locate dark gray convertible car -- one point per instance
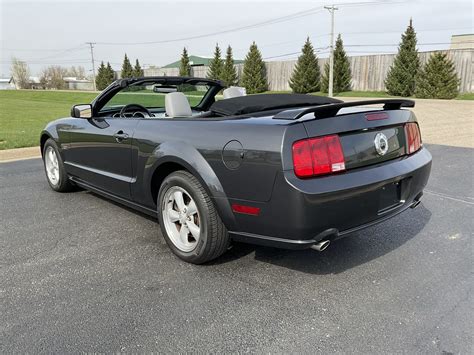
(283, 170)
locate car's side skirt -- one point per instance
(128, 203)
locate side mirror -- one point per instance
(81, 111)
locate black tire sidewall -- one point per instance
(63, 184)
(177, 179)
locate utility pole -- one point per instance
(331, 9)
(91, 44)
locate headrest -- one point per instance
(234, 91)
(177, 105)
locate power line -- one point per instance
(317, 50)
(61, 52)
(69, 61)
(256, 25)
(296, 15)
(313, 36)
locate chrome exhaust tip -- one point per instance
(415, 204)
(321, 246)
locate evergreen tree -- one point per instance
(137, 71)
(254, 74)
(306, 75)
(127, 69)
(185, 66)
(400, 80)
(216, 65)
(438, 78)
(100, 79)
(110, 74)
(229, 74)
(342, 70)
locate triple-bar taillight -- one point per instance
(413, 137)
(324, 155)
(318, 156)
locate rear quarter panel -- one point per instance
(200, 144)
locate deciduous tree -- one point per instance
(20, 73)
(52, 77)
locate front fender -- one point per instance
(56, 130)
(189, 157)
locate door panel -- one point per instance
(100, 153)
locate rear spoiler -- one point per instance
(331, 110)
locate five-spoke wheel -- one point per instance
(181, 218)
(188, 219)
(54, 167)
(51, 165)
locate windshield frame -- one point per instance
(117, 86)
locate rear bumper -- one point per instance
(329, 234)
(304, 212)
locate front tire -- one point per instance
(189, 221)
(54, 168)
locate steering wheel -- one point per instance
(136, 108)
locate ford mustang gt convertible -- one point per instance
(215, 165)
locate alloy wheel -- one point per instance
(52, 165)
(181, 219)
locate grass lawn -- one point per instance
(466, 96)
(24, 113)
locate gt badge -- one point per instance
(381, 144)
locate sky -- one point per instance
(43, 33)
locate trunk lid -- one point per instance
(364, 141)
(360, 148)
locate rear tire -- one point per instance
(189, 221)
(54, 168)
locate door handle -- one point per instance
(120, 136)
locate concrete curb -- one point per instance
(10, 155)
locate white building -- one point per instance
(7, 84)
(464, 41)
(72, 83)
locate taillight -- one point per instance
(413, 137)
(318, 156)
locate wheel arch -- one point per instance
(169, 158)
(43, 138)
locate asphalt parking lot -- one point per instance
(81, 274)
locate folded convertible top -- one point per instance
(263, 102)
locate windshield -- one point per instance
(151, 95)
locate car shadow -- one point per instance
(121, 205)
(342, 254)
